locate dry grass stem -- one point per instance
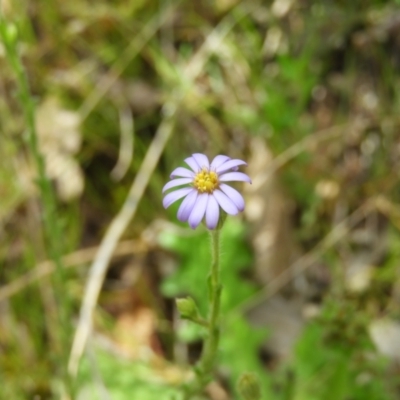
(293, 151)
(127, 125)
(74, 259)
(134, 48)
(338, 232)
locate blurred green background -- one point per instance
(308, 93)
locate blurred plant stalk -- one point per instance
(51, 226)
(188, 310)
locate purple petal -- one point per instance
(180, 171)
(219, 160)
(199, 210)
(176, 182)
(201, 160)
(234, 176)
(226, 204)
(234, 195)
(229, 165)
(176, 195)
(212, 213)
(192, 164)
(187, 206)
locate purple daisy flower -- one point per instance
(207, 190)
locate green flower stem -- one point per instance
(52, 230)
(8, 35)
(207, 360)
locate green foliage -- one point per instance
(194, 252)
(335, 370)
(288, 93)
(240, 344)
(191, 278)
(122, 379)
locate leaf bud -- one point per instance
(249, 386)
(187, 308)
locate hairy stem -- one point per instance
(205, 366)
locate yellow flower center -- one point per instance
(206, 181)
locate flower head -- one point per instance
(205, 189)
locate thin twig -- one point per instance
(340, 231)
(294, 150)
